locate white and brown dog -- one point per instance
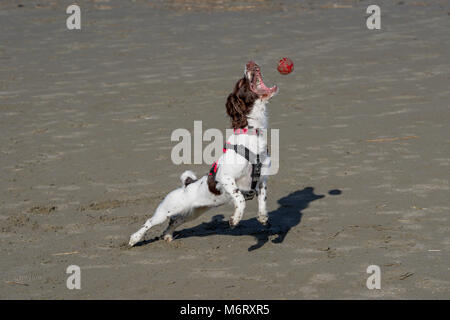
(237, 175)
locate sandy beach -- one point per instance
(86, 118)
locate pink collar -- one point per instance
(246, 131)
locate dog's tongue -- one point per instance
(261, 87)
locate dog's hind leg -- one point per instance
(175, 203)
(159, 217)
(175, 221)
(178, 220)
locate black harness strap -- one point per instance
(251, 157)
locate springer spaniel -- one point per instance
(234, 177)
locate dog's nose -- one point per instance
(250, 65)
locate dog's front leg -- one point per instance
(262, 199)
(230, 187)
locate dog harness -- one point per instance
(254, 159)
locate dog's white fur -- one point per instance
(189, 202)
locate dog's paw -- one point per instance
(264, 220)
(233, 223)
(168, 238)
(135, 238)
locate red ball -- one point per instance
(285, 66)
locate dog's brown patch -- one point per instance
(240, 103)
(212, 184)
(188, 181)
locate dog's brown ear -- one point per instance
(240, 103)
(236, 109)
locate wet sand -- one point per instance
(86, 118)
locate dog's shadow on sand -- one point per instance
(281, 221)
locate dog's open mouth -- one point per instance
(253, 73)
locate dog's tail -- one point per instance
(187, 178)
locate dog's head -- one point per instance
(246, 92)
